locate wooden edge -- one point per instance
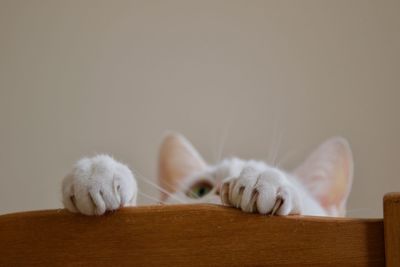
(154, 209)
(182, 235)
(391, 211)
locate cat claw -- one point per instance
(97, 185)
(277, 206)
(268, 192)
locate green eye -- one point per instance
(199, 190)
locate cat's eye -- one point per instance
(200, 189)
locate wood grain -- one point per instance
(187, 235)
(391, 212)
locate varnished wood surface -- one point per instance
(187, 235)
(392, 229)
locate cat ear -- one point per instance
(177, 160)
(328, 175)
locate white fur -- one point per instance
(252, 186)
(97, 185)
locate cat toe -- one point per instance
(266, 192)
(224, 194)
(237, 191)
(97, 185)
(84, 203)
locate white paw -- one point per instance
(266, 192)
(97, 185)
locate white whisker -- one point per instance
(271, 143)
(144, 179)
(157, 201)
(275, 144)
(223, 138)
(287, 156)
(277, 147)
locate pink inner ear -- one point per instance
(178, 159)
(328, 174)
(339, 188)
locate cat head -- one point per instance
(186, 178)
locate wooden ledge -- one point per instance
(391, 211)
(392, 197)
(187, 235)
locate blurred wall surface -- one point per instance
(257, 79)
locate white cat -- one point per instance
(320, 186)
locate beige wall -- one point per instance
(80, 77)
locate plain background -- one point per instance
(262, 79)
